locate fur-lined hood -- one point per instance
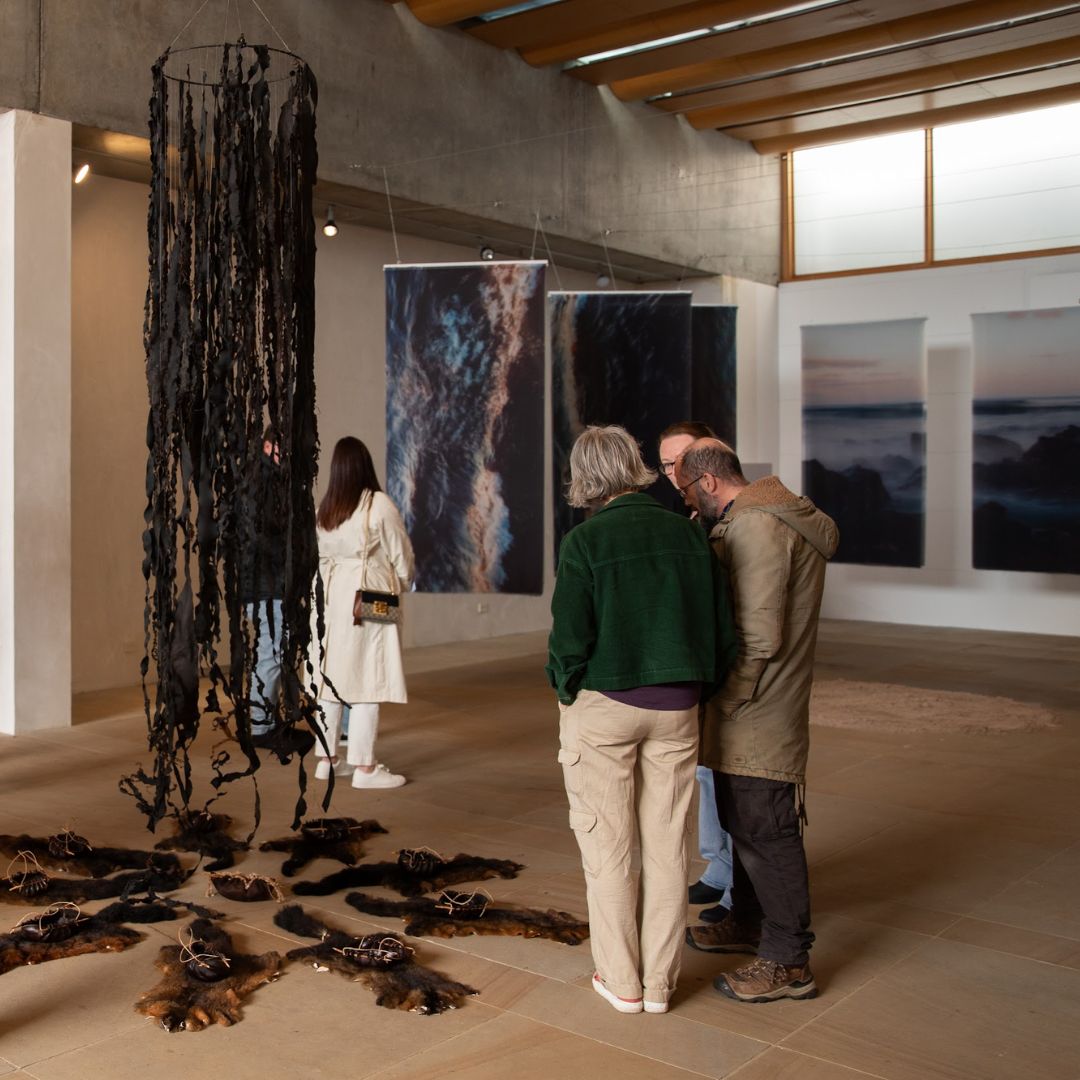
(795, 511)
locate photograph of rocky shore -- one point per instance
(1026, 450)
(864, 436)
(712, 368)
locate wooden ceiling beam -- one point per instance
(571, 18)
(561, 46)
(956, 114)
(708, 60)
(922, 80)
(913, 106)
(446, 12)
(826, 76)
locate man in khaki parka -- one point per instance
(755, 736)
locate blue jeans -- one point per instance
(715, 844)
(266, 678)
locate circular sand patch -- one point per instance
(865, 706)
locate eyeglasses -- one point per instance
(667, 467)
(686, 487)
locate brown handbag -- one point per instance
(368, 604)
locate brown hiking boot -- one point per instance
(726, 936)
(766, 980)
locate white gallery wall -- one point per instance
(109, 405)
(946, 591)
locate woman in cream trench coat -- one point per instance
(360, 665)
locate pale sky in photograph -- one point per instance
(1027, 353)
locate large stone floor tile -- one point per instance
(513, 1046)
(675, 1039)
(1065, 952)
(1046, 900)
(779, 1063)
(955, 1012)
(847, 955)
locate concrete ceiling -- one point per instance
(787, 75)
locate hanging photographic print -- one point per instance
(864, 436)
(465, 422)
(1027, 441)
(616, 358)
(712, 369)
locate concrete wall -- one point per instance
(109, 415)
(35, 419)
(946, 591)
(458, 123)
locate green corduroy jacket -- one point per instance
(639, 599)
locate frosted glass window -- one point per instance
(1011, 183)
(859, 204)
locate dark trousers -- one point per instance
(770, 886)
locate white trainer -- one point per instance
(623, 1005)
(382, 777)
(341, 768)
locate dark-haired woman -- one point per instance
(362, 543)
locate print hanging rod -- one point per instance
(171, 57)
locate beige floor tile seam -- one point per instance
(611, 1045)
(813, 1057)
(1006, 952)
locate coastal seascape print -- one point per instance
(712, 369)
(465, 422)
(864, 436)
(616, 358)
(1026, 451)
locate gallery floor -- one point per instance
(945, 872)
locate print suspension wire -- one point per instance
(229, 338)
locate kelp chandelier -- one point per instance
(229, 336)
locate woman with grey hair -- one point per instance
(640, 624)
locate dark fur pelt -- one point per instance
(424, 919)
(93, 862)
(246, 888)
(93, 934)
(152, 908)
(409, 882)
(14, 891)
(405, 985)
(205, 833)
(182, 1002)
(340, 839)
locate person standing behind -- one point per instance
(638, 625)
(756, 734)
(262, 586)
(714, 885)
(362, 544)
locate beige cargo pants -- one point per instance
(629, 776)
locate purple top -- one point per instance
(663, 697)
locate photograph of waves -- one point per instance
(864, 436)
(465, 422)
(1027, 441)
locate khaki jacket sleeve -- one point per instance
(756, 553)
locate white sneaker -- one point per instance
(622, 1004)
(656, 1006)
(341, 768)
(382, 777)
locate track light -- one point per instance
(330, 228)
(82, 172)
(602, 280)
(487, 253)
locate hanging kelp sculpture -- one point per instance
(229, 336)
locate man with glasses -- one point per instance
(774, 545)
(714, 885)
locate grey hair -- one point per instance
(715, 458)
(605, 462)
